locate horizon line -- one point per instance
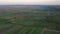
(17, 4)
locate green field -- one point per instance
(29, 20)
(25, 24)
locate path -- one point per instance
(45, 29)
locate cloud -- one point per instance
(41, 2)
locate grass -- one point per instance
(14, 30)
(51, 32)
(25, 29)
(26, 20)
(2, 26)
(37, 31)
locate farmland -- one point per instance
(29, 19)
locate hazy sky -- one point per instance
(30, 2)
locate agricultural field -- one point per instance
(51, 32)
(29, 20)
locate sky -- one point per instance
(29, 2)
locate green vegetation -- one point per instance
(51, 32)
(29, 20)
